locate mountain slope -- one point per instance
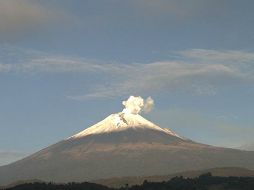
(120, 122)
(123, 144)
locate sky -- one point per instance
(65, 65)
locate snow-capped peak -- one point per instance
(119, 122)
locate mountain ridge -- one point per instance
(134, 147)
(121, 121)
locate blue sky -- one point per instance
(65, 65)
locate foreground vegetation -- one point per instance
(203, 182)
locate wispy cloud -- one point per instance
(197, 71)
(20, 18)
(5, 67)
(7, 157)
(230, 56)
(199, 79)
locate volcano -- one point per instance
(123, 144)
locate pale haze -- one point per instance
(184, 65)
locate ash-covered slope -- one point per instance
(123, 144)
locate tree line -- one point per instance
(203, 182)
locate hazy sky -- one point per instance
(65, 65)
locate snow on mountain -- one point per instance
(123, 144)
(119, 122)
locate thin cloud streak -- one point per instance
(7, 157)
(199, 72)
(200, 79)
(219, 56)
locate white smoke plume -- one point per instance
(136, 104)
(149, 103)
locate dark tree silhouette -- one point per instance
(203, 182)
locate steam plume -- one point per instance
(149, 103)
(136, 104)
